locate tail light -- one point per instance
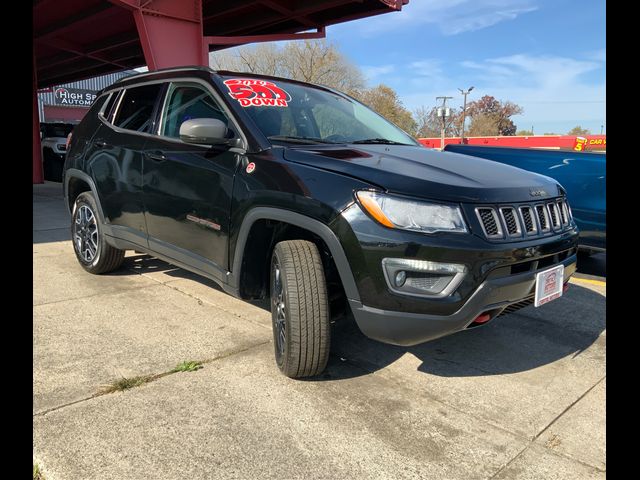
(66, 147)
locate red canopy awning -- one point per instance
(76, 39)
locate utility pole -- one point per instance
(443, 112)
(464, 111)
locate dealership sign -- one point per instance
(74, 97)
(583, 143)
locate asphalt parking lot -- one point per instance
(522, 398)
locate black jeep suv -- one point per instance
(296, 192)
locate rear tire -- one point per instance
(92, 251)
(299, 309)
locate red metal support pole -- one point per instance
(38, 176)
(170, 32)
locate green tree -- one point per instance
(492, 117)
(579, 131)
(524, 133)
(384, 100)
(484, 125)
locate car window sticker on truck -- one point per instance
(257, 93)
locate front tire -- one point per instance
(299, 309)
(92, 251)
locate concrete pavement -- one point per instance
(523, 397)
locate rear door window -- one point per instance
(108, 108)
(135, 111)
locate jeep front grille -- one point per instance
(510, 221)
(490, 222)
(520, 221)
(529, 222)
(543, 218)
(555, 215)
(564, 212)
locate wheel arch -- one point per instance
(77, 182)
(304, 223)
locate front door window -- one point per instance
(186, 102)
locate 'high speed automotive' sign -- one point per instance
(74, 97)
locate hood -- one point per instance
(430, 174)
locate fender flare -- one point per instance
(302, 221)
(75, 173)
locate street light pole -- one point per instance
(464, 111)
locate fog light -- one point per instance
(422, 277)
(401, 276)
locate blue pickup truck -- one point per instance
(582, 174)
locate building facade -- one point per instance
(68, 103)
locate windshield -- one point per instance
(287, 112)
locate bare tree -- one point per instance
(429, 124)
(313, 61)
(262, 59)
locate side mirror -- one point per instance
(207, 131)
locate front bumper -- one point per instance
(492, 296)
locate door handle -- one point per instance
(156, 156)
(101, 144)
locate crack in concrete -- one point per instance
(441, 402)
(530, 441)
(125, 289)
(153, 377)
(195, 297)
(217, 306)
(51, 229)
(553, 452)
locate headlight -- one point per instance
(397, 212)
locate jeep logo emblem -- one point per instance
(537, 193)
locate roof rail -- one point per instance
(163, 70)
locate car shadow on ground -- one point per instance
(531, 338)
(141, 263)
(514, 343)
(594, 265)
(51, 235)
